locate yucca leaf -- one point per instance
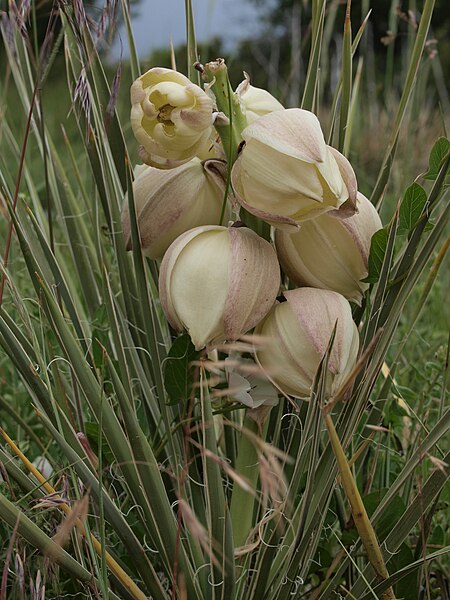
(219, 522)
(134, 59)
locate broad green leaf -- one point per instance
(407, 394)
(391, 515)
(179, 372)
(437, 537)
(377, 251)
(445, 496)
(411, 207)
(437, 155)
(407, 587)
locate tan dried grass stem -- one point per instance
(362, 522)
(112, 564)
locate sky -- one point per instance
(154, 21)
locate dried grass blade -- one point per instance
(113, 565)
(359, 513)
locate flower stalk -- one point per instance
(228, 104)
(242, 499)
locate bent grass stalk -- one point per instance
(112, 564)
(359, 513)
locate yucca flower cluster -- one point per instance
(218, 278)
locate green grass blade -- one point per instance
(191, 43)
(346, 78)
(113, 513)
(134, 59)
(419, 44)
(312, 77)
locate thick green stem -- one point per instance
(230, 131)
(227, 103)
(242, 500)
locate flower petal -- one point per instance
(347, 174)
(318, 311)
(254, 281)
(292, 131)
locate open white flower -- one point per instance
(170, 116)
(43, 465)
(253, 390)
(286, 174)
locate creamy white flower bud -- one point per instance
(286, 174)
(297, 333)
(170, 116)
(168, 203)
(331, 253)
(256, 102)
(218, 282)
